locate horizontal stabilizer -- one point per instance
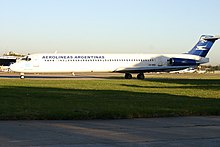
(212, 37)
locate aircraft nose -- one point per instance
(13, 67)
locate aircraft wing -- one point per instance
(150, 69)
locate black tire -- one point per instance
(140, 76)
(128, 76)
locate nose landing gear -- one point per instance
(21, 75)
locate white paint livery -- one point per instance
(124, 63)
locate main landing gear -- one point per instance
(140, 76)
(128, 76)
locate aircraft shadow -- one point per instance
(45, 103)
(186, 81)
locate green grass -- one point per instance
(156, 96)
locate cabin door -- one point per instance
(36, 63)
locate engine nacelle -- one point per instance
(182, 62)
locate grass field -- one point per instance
(156, 96)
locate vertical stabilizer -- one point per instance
(204, 45)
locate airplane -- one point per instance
(121, 63)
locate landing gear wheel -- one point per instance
(128, 76)
(140, 76)
(22, 76)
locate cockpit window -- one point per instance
(23, 58)
(26, 58)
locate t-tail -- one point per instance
(204, 45)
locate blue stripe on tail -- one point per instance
(203, 46)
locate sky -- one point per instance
(107, 26)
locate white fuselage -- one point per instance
(42, 63)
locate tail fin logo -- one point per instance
(202, 45)
(201, 48)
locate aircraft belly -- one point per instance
(150, 69)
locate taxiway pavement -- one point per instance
(173, 131)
